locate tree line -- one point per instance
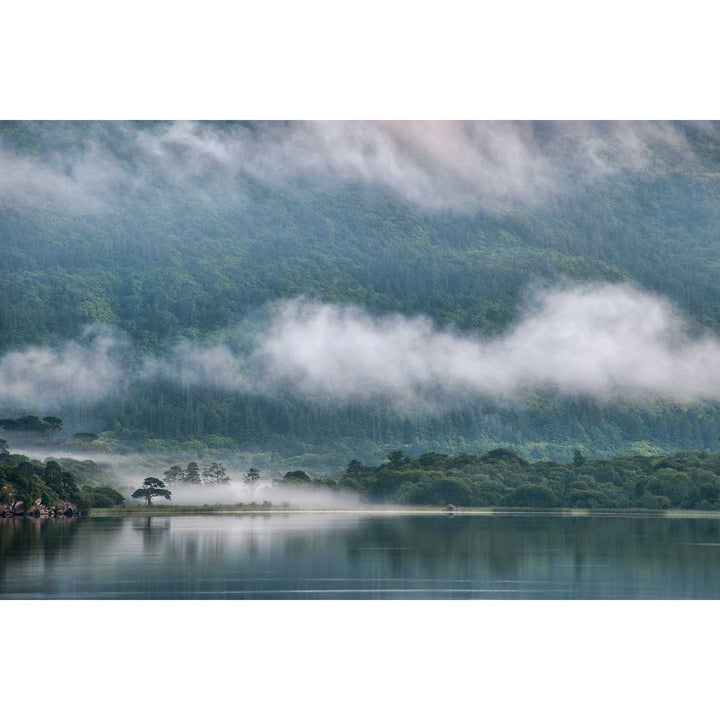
(214, 474)
(34, 428)
(501, 478)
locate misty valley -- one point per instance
(359, 359)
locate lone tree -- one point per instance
(216, 473)
(152, 487)
(251, 478)
(53, 424)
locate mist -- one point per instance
(608, 342)
(438, 166)
(128, 472)
(236, 492)
(74, 372)
(605, 341)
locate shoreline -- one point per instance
(135, 511)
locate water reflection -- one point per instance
(346, 556)
(154, 530)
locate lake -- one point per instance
(361, 556)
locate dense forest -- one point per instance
(501, 478)
(187, 268)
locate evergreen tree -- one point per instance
(174, 475)
(53, 424)
(252, 479)
(216, 473)
(152, 487)
(192, 474)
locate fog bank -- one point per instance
(237, 492)
(603, 341)
(75, 372)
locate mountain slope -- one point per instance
(165, 262)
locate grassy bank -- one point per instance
(176, 510)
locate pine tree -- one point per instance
(192, 474)
(216, 473)
(152, 487)
(251, 479)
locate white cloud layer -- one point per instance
(76, 372)
(604, 341)
(448, 165)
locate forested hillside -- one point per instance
(159, 270)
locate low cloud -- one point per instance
(608, 342)
(604, 341)
(208, 364)
(439, 165)
(76, 372)
(81, 182)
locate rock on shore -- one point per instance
(38, 510)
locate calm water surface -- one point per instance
(338, 556)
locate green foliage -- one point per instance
(192, 474)
(53, 424)
(201, 268)
(27, 480)
(29, 426)
(500, 478)
(216, 473)
(86, 472)
(252, 479)
(294, 477)
(531, 495)
(174, 475)
(152, 487)
(102, 496)
(85, 438)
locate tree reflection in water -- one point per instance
(154, 530)
(336, 555)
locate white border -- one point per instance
(283, 59)
(384, 659)
(180, 60)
